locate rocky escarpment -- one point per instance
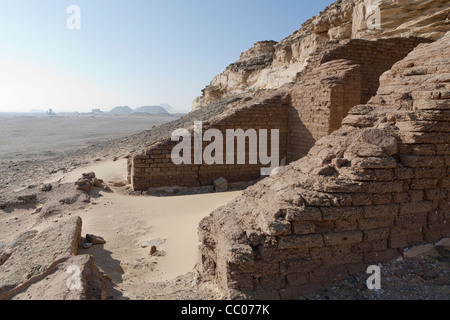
(269, 65)
(364, 193)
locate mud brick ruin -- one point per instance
(364, 131)
(341, 75)
(375, 186)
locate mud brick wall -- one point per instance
(374, 58)
(377, 185)
(340, 76)
(154, 167)
(320, 100)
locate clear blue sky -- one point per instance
(130, 52)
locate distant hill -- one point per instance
(168, 107)
(151, 110)
(122, 110)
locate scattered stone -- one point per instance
(84, 185)
(87, 245)
(106, 187)
(119, 184)
(97, 183)
(155, 242)
(27, 198)
(221, 184)
(47, 187)
(89, 181)
(89, 175)
(161, 253)
(429, 274)
(95, 240)
(417, 251)
(153, 250)
(4, 205)
(443, 243)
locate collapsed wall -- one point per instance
(375, 186)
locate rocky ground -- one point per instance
(422, 277)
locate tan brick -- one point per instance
(303, 227)
(375, 223)
(341, 238)
(384, 210)
(299, 266)
(341, 213)
(346, 225)
(309, 241)
(415, 207)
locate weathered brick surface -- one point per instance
(154, 167)
(346, 205)
(340, 76)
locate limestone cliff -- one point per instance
(269, 64)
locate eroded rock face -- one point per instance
(78, 278)
(44, 265)
(34, 254)
(269, 65)
(375, 186)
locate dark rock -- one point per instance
(95, 240)
(47, 187)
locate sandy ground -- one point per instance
(126, 221)
(110, 171)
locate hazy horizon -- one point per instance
(170, 109)
(133, 53)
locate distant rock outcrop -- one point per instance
(122, 110)
(158, 110)
(151, 110)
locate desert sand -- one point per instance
(125, 221)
